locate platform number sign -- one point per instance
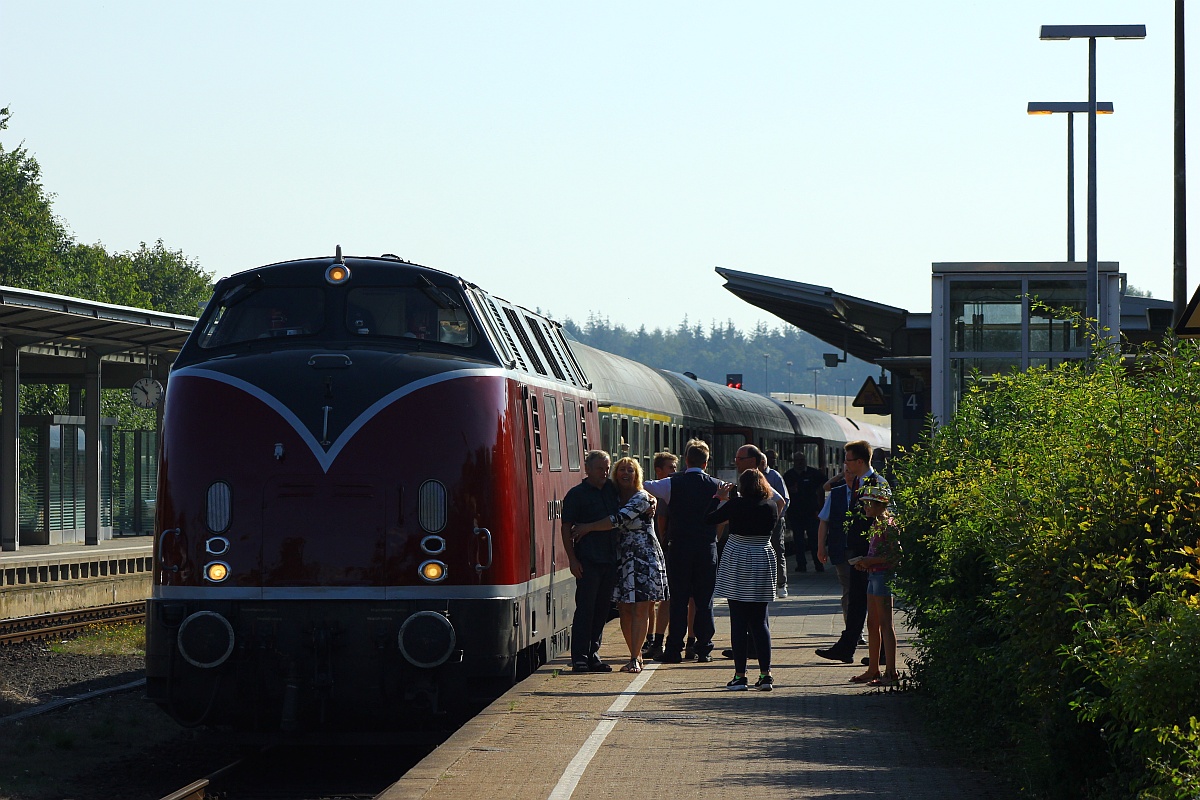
(914, 408)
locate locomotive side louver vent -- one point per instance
(432, 506)
(217, 507)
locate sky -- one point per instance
(601, 158)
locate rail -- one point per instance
(46, 626)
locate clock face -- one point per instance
(146, 393)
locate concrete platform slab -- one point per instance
(675, 731)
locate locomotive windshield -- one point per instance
(431, 313)
(253, 311)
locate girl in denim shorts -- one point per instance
(880, 560)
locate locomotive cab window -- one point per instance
(251, 311)
(429, 314)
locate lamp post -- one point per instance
(844, 382)
(789, 366)
(1091, 33)
(815, 371)
(766, 384)
(1070, 109)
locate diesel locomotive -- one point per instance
(361, 475)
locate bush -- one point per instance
(1049, 529)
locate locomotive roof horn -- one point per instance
(338, 259)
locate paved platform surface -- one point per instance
(675, 732)
(119, 547)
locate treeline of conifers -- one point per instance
(711, 352)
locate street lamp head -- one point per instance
(1059, 33)
(1067, 108)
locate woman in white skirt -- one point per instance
(746, 574)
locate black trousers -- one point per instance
(593, 600)
(804, 535)
(856, 613)
(691, 575)
(748, 621)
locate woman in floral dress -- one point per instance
(641, 568)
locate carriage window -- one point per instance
(437, 315)
(553, 443)
(572, 425)
(252, 311)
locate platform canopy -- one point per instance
(863, 328)
(54, 333)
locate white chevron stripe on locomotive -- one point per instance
(326, 457)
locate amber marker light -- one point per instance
(433, 571)
(216, 571)
(338, 273)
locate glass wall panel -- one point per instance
(985, 317)
(1051, 330)
(962, 373)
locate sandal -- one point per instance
(865, 678)
(633, 667)
(886, 680)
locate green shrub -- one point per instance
(1048, 529)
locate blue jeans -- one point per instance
(877, 584)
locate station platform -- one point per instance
(47, 579)
(675, 731)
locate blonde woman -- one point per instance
(641, 567)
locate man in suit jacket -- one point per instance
(842, 537)
(692, 557)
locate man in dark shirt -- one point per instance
(805, 485)
(593, 560)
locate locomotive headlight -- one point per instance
(433, 571)
(216, 572)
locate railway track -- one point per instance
(48, 626)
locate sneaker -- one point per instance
(703, 658)
(781, 593)
(738, 684)
(765, 683)
(689, 650)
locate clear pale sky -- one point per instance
(601, 157)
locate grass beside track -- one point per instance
(122, 639)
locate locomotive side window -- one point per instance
(553, 442)
(409, 313)
(249, 312)
(537, 431)
(572, 425)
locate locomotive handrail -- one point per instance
(162, 558)
(479, 566)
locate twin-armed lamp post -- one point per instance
(1070, 109)
(1092, 33)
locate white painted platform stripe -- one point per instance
(326, 458)
(570, 779)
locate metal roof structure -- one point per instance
(54, 333)
(863, 328)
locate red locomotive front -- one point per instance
(343, 524)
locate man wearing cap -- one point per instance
(841, 537)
